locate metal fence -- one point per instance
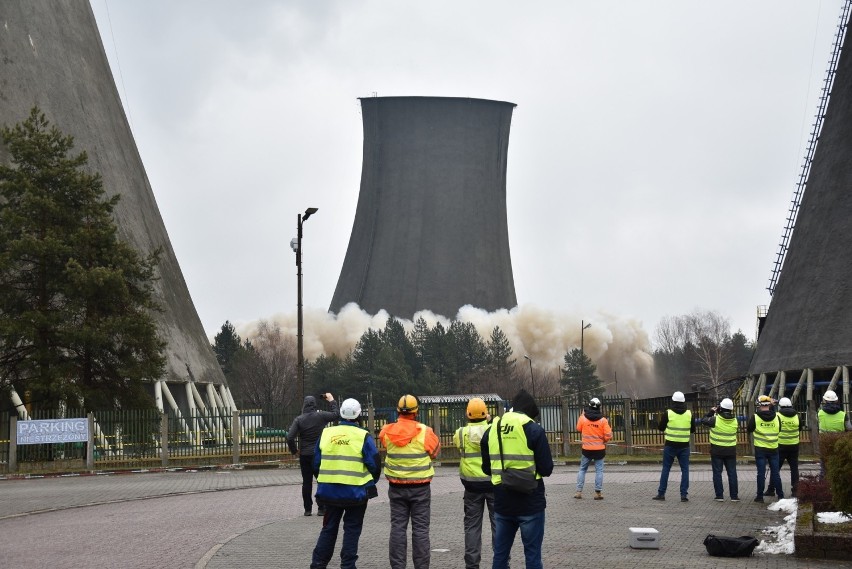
(145, 439)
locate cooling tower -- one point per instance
(51, 55)
(809, 322)
(430, 228)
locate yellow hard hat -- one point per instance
(407, 404)
(476, 409)
(764, 400)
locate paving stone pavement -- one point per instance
(253, 519)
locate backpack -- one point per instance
(721, 546)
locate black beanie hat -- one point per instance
(524, 403)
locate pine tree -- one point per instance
(226, 345)
(579, 378)
(75, 301)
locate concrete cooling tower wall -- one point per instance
(51, 56)
(430, 230)
(809, 322)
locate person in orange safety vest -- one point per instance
(596, 432)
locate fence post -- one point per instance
(164, 439)
(566, 433)
(90, 444)
(436, 422)
(628, 424)
(13, 444)
(236, 435)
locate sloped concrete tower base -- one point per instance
(430, 231)
(809, 322)
(51, 55)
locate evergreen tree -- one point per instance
(226, 345)
(75, 301)
(470, 351)
(579, 378)
(501, 361)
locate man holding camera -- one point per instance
(308, 427)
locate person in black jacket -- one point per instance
(516, 510)
(308, 427)
(678, 426)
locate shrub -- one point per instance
(814, 489)
(839, 472)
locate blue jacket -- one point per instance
(345, 494)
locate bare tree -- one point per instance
(267, 370)
(696, 346)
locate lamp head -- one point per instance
(309, 212)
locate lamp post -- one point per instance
(296, 245)
(583, 328)
(532, 377)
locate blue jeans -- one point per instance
(669, 455)
(581, 474)
(762, 457)
(353, 522)
(729, 463)
(532, 534)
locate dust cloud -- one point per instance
(619, 346)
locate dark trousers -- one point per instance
(767, 458)
(729, 463)
(791, 455)
(306, 464)
(353, 522)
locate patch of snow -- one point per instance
(780, 538)
(833, 518)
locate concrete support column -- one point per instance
(164, 439)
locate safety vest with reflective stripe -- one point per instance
(724, 432)
(789, 434)
(832, 422)
(766, 432)
(516, 453)
(470, 463)
(342, 459)
(679, 426)
(594, 433)
(410, 463)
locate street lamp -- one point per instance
(532, 377)
(583, 327)
(296, 245)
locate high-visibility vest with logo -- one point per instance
(593, 433)
(766, 432)
(831, 423)
(516, 453)
(470, 463)
(789, 434)
(678, 427)
(724, 432)
(410, 463)
(342, 459)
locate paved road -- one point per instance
(253, 519)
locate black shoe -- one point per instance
(659, 497)
(684, 499)
(719, 499)
(307, 512)
(734, 499)
(321, 511)
(759, 499)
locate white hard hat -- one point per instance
(350, 409)
(785, 402)
(830, 396)
(678, 397)
(727, 404)
(595, 403)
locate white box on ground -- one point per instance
(644, 538)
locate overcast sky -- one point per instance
(653, 153)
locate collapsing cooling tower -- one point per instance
(430, 229)
(809, 323)
(51, 56)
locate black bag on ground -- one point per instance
(721, 546)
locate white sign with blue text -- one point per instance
(53, 431)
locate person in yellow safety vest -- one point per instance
(677, 424)
(765, 426)
(595, 431)
(347, 465)
(788, 444)
(478, 489)
(411, 446)
(525, 447)
(723, 448)
(832, 417)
